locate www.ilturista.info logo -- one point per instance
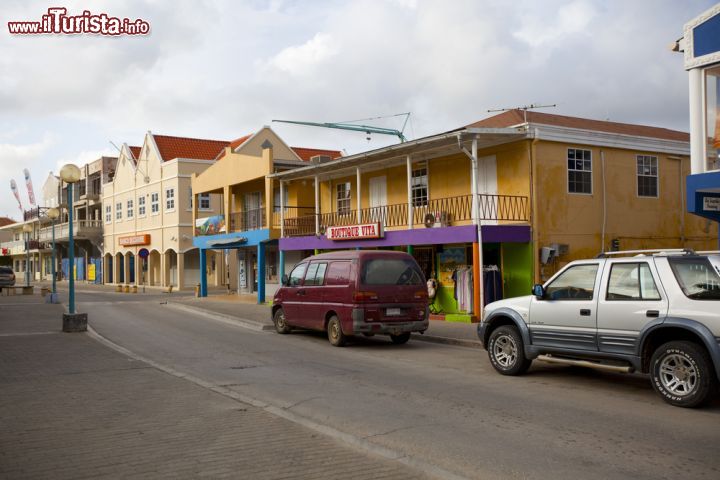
(57, 21)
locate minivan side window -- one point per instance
(390, 271)
(296, 275)
(575, 283)
(338, 273)
(631, 281)
(315, 274)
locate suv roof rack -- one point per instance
(708, 252)
(653, 251)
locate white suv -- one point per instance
(655, 312)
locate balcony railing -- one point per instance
(81, 228)
(443, 211)
(254, 219)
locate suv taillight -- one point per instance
(364, 296)
(420, 294)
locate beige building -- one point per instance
(147, 208)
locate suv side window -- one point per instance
(697, 277)
(315, 274)
(296, 275)
(575, 283)
(631, 281)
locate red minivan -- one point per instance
(354, 292)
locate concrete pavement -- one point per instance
(72, 408)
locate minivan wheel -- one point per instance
(506, 352)
(681, 373)
(335, 334)
(400, 339)
(279, 320)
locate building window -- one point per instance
(170, 199)
(276, 199)
(579, 171)
(154, 202)
(118, 211)
(647, 176)
(343, 198)
(419, 185)
(108, 213)
(130, 208)
(204, 201)
(141, 206)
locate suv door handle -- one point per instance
(652, 313)
(300, 292)
(585, 312)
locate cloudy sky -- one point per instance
(222, 69)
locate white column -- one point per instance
(358, 203)
(180, 270)
(697, 137)
(474, 180)
(317, 206)
(408, 164)
(282, 208)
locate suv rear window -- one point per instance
(390, 271)
(698, 279)
(6, 270)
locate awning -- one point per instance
(228, 242)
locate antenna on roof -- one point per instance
(524, 108)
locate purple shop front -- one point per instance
(415, 237)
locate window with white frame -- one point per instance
(141, 206)
(108, 213)
(130, 208)
(204, 201)
(579, 170)
(154, 202)
(343, 197)
(647, 176)
(118, 211)
(170, 199)
(419, 185)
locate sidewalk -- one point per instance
(71, 407)
(226, 307)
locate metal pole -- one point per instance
(71, 251)
(54, 286)
(27, 259)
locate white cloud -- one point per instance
(548, 28)
(306, 58)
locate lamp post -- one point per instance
(53, 215)
(72, 322)
(27, 230)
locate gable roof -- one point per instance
(4, 221)
(517, 117)
(306, 153)
(171, 147)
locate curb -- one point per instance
(223, 317)
(456, 342)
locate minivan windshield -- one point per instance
(390, 271)
(698, 278)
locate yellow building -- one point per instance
(147, 210)
(535, 190)
(247, 224)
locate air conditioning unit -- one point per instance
(436, 219)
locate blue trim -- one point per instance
(261, 273)
(281, 270)
(251, 239)
(706, 37)
(203, 272)
(700, 186)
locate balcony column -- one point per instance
(282, 208)
(180, 270)
(203, 272)
(478, 283)
(408, 168)
(359, 196)
(317, 206)
(227, 207)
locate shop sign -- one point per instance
(711, 204)
(135, 240)
(354, 232)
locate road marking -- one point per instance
(348, 438)
(222, 317)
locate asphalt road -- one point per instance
(438, 404)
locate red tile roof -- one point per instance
(517, 117)
(6, 221)
(135, 152)
(239, 141)
(306, 153)
(192, 148)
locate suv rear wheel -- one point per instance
(505, 349)
(682, 374)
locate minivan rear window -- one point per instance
(390, 271)
(697, 277)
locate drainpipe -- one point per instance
(604, 204)
(478, 298)
(317, 207)
(358, 199)
(281, 260)
(408, 167)
(533, 204)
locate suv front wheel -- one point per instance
(682, 374)
(506, 352)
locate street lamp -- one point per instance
(72, 322)
(53, 215)
(27, 229)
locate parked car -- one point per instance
(7, 277)
(656, 313)
(347, 293)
